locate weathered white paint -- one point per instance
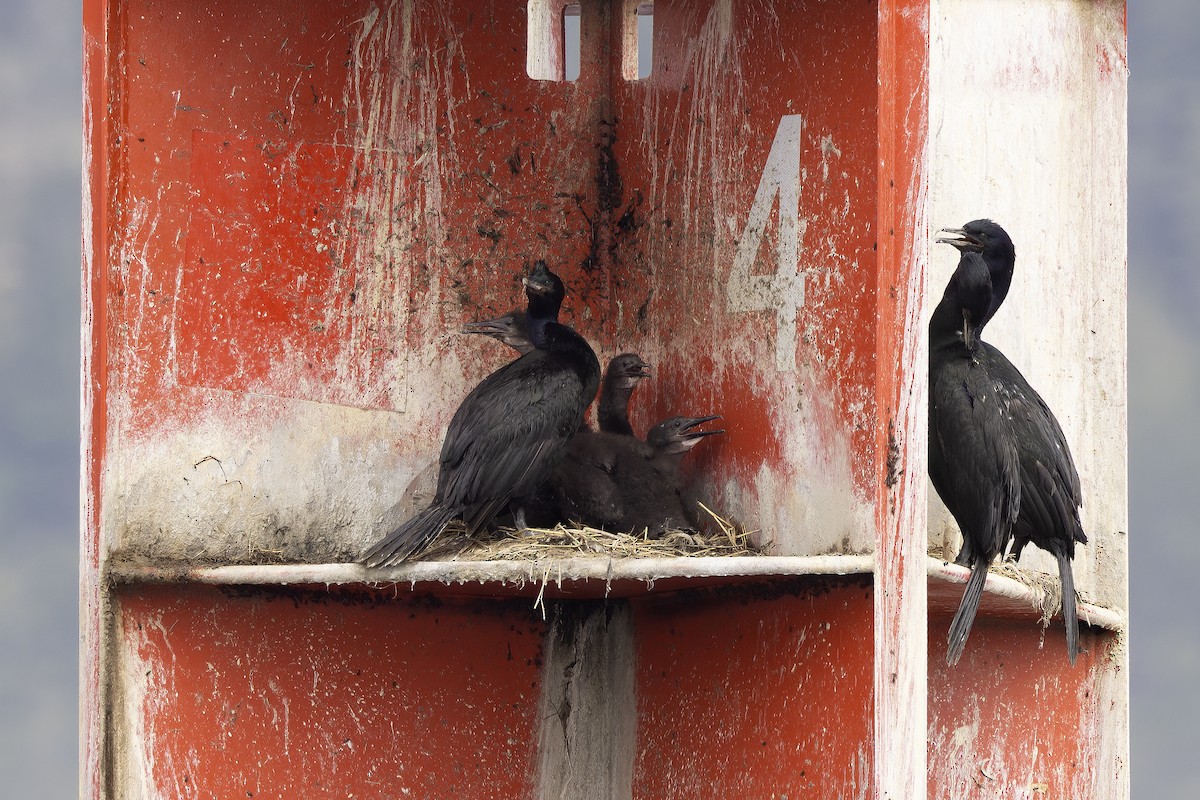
(240, 491)
(91, 719)
(543, 56)
(131, 763)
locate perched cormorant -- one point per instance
(511, 329)
(622, 376)
(972, 453)
(511, 430)
(1049, 483)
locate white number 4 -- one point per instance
(782, 292)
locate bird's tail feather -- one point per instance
(964, 618)
(1070, 618)
(409, 538)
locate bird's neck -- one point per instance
(543, 307)
(612, 412)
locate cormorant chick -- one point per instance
(510, 432)
(665, 504)
(619, 483)
(1050, 490)
(622, 376)
(972, 453)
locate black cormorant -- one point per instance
(1051, 494)
(972, 453)
(510, 431)
(666, 503)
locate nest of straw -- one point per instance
(571, 541)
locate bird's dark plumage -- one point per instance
(620, 483)
(1051, 494)
(622, 376)
(666, 503)
(1048, 483)
(510, 431)
(972, 456)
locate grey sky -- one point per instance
(39, 268)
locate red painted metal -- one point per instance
(306, 693)
(284, 227)
(764, 694)
(93, 417)
(901, 526)
(1014, 718)
(292, 207)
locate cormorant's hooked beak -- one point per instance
(487, 327)
(536, 284)
(642, 370)
(960, 240)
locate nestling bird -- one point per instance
(573, 491)
(972, 453)
(511, 430)
(620, 483)
(621, 377)
(667, 503)
(1050, 489)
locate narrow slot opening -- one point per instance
(571, 36)
(645, 40)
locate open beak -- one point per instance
(692, 435)
(959, 239)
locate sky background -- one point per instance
(39, 395)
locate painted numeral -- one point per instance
(782, 292)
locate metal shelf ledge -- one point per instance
(1007, 597)
(584, 577)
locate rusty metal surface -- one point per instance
(747, 163)
(298, 229)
